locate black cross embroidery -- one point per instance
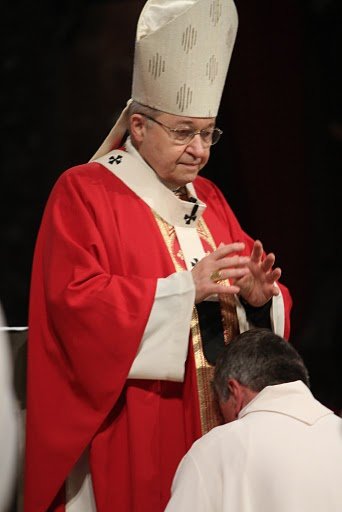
(194, 261)
(192, 216)
(116, 159)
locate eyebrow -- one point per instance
(190, 124)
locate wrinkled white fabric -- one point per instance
(8, 423)
(283, 454)
(157, 13)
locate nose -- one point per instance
(196, 147)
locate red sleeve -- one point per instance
(86, 322)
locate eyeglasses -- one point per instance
(209, 136)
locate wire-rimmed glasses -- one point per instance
(209, 136)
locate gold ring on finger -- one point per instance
(215, 276)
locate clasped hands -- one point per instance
(251, 277)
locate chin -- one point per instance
(191, 173)
(187, 179)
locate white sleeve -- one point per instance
(189, 492)
(8, 422)
(277, 315)
(164, 346)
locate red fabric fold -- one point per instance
(98, 255)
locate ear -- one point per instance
(230, 408)
(137, 127)
(241, 394)
(239, 397)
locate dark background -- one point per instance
(67, 69)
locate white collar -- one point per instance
(292, 399)
(132, 169)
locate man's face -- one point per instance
(176, 164)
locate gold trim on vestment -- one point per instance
(209, 410)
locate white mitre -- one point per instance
(182, 53)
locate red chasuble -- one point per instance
(99, 253)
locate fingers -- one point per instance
(253, 276)
(217, 276)
(257, 252)
(220, 265)
(235, 262)
(221, 258)
(274, 275)
(223, 266)
(226, 249)
(218, 289)
(206, 290)
(267, 263)
(230, 273)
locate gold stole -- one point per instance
(209, 411)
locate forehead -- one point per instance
(193, 122)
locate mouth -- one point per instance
(193, 165)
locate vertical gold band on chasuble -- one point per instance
(209, 411)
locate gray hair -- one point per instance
(137, 108)
(258, 358)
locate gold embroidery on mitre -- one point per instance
(184, 97)
(156, 65)
(212, 68)
(189, 38)
(215, 11)
(209, 411)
